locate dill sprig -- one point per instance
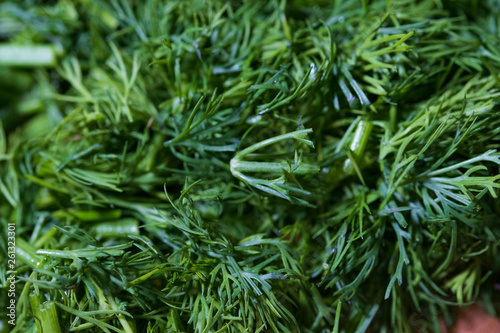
(249, 166)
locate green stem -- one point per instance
(120, 228)
(116, 250)
(27, 254)
(301, 136)
(27, 55)
(45, 237)
(45, 314)
(277, 167)
(123, 321)
(48, 317)
(490, 155)
(35, 308)
(358, 145)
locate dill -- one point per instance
(249, 166)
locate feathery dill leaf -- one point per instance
(249, 166)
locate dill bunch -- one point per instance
(249, 166)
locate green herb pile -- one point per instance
(249, 166)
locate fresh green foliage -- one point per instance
(249, 166)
